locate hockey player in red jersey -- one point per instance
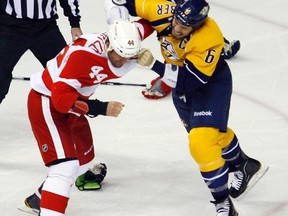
(58, 104)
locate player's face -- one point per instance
(180, 31)
(117, 60)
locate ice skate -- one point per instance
(225, 208)
(31, 205)
(248, 174)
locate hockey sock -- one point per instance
(217, 182)
(233, 154)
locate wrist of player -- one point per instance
(92, 108)
(152, 63)
(96, 108)
(167, 72)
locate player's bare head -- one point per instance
(124, 38)
(190, 14)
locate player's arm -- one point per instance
(71, 10)
(119, 10)
(130, 5)
(184, 78)
(63, 96)
(144, 27)
(66, 99)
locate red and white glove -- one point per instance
(158, 89)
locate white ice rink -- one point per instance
(150, 171)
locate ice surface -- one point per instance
(150, 171)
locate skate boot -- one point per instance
(243, 176)
(225, 208)
(33, 203)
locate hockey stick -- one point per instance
(104, 83)
(123, 84)
(21, 78)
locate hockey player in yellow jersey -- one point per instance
(191, 44)
(160, 20)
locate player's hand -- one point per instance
(158, 89)
(76, 33)
(114, 108)
(145, 58)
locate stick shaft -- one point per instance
(104, 83)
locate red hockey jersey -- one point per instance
(77, 71)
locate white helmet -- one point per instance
(124, 38)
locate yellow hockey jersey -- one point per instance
(202, 48)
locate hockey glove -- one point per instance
(230, 49)
(158, 89)
(91, 179)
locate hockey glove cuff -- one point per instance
(158, 89)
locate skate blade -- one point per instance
(24, 208)
(254, 180)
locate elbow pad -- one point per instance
(115, 11)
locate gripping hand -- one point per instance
(158, 89)
(145, 58)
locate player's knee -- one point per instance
(204, 148)
(227, 138)
(200, 140)
(66, 171)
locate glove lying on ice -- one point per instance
(158, 89)
(230, 48)
(91, 179)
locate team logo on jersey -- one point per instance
(168, 49)
(44, 147)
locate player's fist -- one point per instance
(158, 89)
(145, 58)
(114, 108)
